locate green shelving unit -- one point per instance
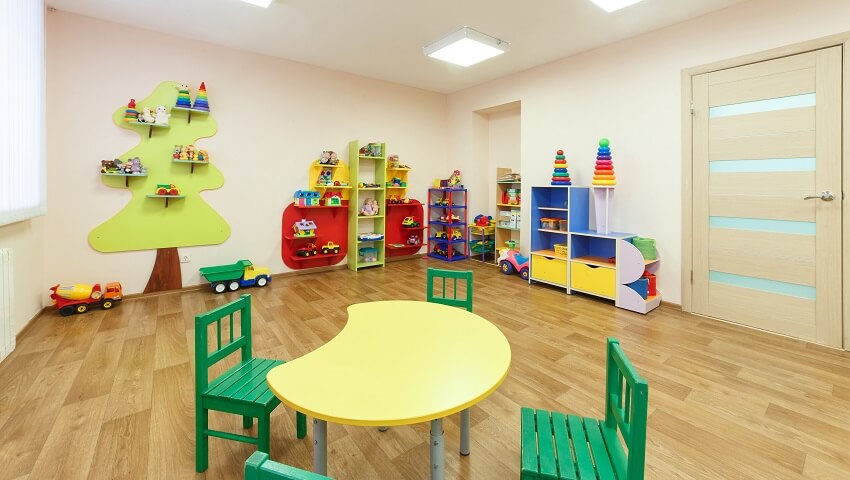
(368, 177)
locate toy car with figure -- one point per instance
(410, 222)
(330, 247)
(511, 261)
(307, 250)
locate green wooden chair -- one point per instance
(556, 446)
(447, 292)
(259, 467)
(241, 390)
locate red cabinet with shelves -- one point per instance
(331, 226)
(398, 234)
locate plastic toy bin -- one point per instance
(561, 249)
(549, 223)
(646, 247)
(368, 254)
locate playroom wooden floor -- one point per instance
(109, 394)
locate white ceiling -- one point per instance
(383, 39)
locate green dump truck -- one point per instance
(230, 277)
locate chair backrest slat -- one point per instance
(442, 295)
(626, 401)
(204, 358)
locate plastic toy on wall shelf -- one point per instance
(561, 172)
(307, 250)
(332, 199)
(167, 189)
(78, 298)
(511, 261)
(330, 248)
(306, 198)
(231, 277)
(200, 105)
(132, 167)
(410, 222)
(304, 228)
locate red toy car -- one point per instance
(308, 250)
(511, 261)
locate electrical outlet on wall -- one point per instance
(184, 258)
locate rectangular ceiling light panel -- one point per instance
(259, 3)
(614, 5)
(466, 47)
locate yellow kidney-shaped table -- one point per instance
(396, 363)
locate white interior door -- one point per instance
(766, 195)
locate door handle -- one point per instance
(826, 196)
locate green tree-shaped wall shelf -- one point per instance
(145, 223)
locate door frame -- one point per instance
(842, 39)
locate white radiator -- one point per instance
(7, 334)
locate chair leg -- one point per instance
(247, 421)
(263, 427)
(300, 424)
(202, 440)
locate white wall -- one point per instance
(504, 144)
(274, 118)
(630, 92)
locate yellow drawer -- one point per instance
(552, 270)
(598, 280)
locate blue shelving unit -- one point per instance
(446, 215)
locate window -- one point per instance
(22, 123)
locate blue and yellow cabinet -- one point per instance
(566, 253)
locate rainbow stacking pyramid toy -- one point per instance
(604, 173)
(131, 114)
(201, 102)
(183, 100)
(561, 174)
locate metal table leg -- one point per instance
(320, 446)
(438, 450)
(464, 432)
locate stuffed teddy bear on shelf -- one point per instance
(146, 116)
(369, 208)
(161, 115)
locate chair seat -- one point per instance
(244, 384)
(556, 446)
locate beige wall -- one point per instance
(274, 116)
(30, 287)
(630, 92)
